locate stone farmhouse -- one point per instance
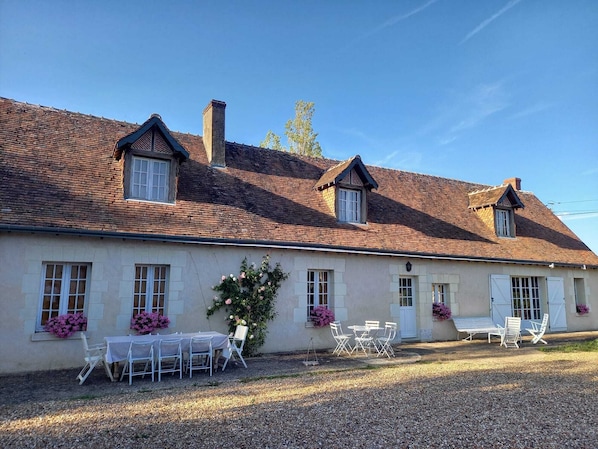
(110, 218)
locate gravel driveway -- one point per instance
(459, 395)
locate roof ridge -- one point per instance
(67, 111)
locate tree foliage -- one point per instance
(249, 300)
(299, 131)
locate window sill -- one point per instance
(582, 314)
(141, 200)
(47, 336)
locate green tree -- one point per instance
(299, 131)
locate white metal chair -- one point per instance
(140, 360)
(342, 340)
(384, 343)
(93, 355)
(236, 343)
(170, 357)
(364, 341)
(372, 323)
(537, 330)
(511, 334)
(201, 355)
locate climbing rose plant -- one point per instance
(248, 299)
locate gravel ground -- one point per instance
(459, 395)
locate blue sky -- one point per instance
(475, 90)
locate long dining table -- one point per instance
(117, 348)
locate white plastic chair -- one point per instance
(236, 343)
(341, 339)
(170, 357)
(537, 330)
(140, 360)
(93, 355)
(384, 343)
(201, 355)
(511, 334)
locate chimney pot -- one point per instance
(213, 133)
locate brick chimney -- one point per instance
(515, 183)
(213, 133)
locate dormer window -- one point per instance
(349, 205)
(345, 189)
(496, 207)
(503, 218)
(150, 179)
(151, 162)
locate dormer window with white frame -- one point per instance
(151, 161)
(496, 208)
(503, 218)
(345, 189)
(150, 179)
(349, 205)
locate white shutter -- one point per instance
(556, 304)
(500, 297)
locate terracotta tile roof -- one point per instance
(339, 171)
(493, 196)
(58, 172)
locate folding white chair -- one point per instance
(537, 330)
(511, 334)
(372, 323)
(93, 355)
(384, 343)
(170, 357)
(201, 355)
(140, 360)
(236, 344)
(341, 339)
(363, 340)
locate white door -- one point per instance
(500, 297)
(407, 313)
(556, 304)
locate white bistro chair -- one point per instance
(140, 360)
(93, 355)
(342, 340)
(170, 357)
(384, 343)
(201, 356)
(236, 343)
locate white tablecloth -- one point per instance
(118, 347)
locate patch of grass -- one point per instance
(578, 346)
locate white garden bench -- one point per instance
(476, 325)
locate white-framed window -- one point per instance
(150, 179)
(440, 293)
(151, 285)
(405, 292)
(349, 205)
(503, 223)
(318, 289)
(525, 293)
(580, 292)
(64, 290)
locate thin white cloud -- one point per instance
(531, 110)
(471, 110)
(394, 20)
(491, 19)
